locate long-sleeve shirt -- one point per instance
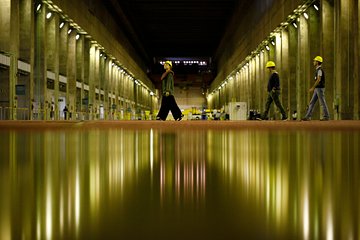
(168, 82)
(274, 82)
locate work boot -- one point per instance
(181, 117)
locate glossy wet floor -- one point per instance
(82, 181)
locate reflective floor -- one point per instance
(206, 184)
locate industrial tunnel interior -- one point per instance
(103, 59)
(82, 156)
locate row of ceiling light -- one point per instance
(292, 19)
(188, 62)
(52, 8)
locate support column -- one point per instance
(40, 64)
(344, 58)
(281, 69)
(26, 54)
(253, 83)
(357, 68)
(285, 73)
(80, 63)
(263, 78)
(52, 62)
(327, 39)
(292, 34)
(86, 73)
(71, 73)
(63, 62)
(14, 53)
(303, 66)
(92, 79)
(258, 82)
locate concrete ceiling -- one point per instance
(173, 28)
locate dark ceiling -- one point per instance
(173, 28)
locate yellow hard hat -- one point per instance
(270, 64)
(168, 62)
(319, 59)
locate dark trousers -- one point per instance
(273, 97)
(169, 104)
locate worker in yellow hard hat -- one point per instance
(273, 89)
(319, 91)
(168, 102)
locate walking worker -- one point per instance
(168, 102)
(319, 91)
(273, 89)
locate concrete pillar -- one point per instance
(345, 44)
(314, 33)
(252, 79)
(107, 74)
(92, 78)
(285, 72)
(327, 39)
(258, 82)
(40, 63)
(247, 86)
(80, 63)
(281, 68)
(26, 50)
(52, 62)
(237, 86)
(263, 78)
(356, 67)
(86, 69)
(9, 42)
(71, 71)
(303, 65)
(292, 66)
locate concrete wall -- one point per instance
(69, 67)
(332, 32)
(189, 98)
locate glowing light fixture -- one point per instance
(306, 15)
(69, 31)
(267, 48)
(48, 15)
(38, 7)
(295, 25)
(77, 36)
(316, 7)
(62, 25)
(273, 43)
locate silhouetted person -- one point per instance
(273, 89)
(65, 112)
(168, 102)
(319, 91)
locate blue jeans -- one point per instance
(319, 93)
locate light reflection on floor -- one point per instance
(208, 184)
